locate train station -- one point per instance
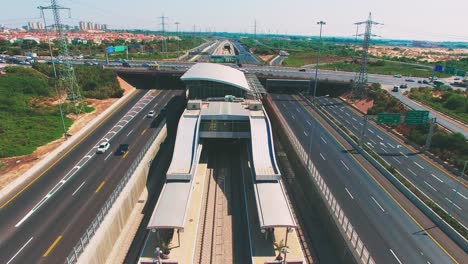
(223, 200)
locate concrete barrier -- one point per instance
(109, 237)
(441, 223)
(62, 150)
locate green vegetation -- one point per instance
(384, 67)
(382, 101)
(450, 102)
(26, 122)
(94, 82)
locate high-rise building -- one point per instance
(31, 25)
(104, 27)
(82, 25)
(90, 26)
(40, 25)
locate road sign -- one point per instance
(120, 48)
(388, 118)
(438, 68)
(416, 117)
(110, 49)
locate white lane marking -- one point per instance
(309, 123)
(370, 130)
(283, 104)
(453, 203)
(412, 171)
(347, 114)
(297, 109)
(430, 186)
(349, 193)
(77, 189)
(355, 127)
(322, 156)
(390, 145)
(385, 151)
(380, 137)
(375, 143)
(417, 164)
(375, 201)
(341, 109)
(14, 256)
(344, 164)
(110, 153)
(354, 119)
(397, 160)
(361, 124)
(464, 197)
(393, 253)
(293, 117)
(403, 154)
(323, 140)
(347, 121)
(370, 144)
(129, 132)
(436, 177)
(305, 134)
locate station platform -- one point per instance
(182, 244)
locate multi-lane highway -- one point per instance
(430, 178)
(42, 223)
(390, 234)
(244, 55)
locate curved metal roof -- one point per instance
(216, 73)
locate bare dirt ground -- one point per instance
(16, 166)
(266, 57)
(422, 54)
(362, 105)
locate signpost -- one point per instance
(388, 118)
(416, 117)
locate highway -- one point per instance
(38, 230)
(244, 55)
(435, 182)
(387, 231)
(443, 120)
(278, 60)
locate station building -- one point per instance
(222, 103)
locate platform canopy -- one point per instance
(217, 73)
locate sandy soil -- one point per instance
(266, 57)
(16, 166)
(362, 105)
(429, 54)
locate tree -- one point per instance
(280, 247)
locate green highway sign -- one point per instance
(119, 48)
(416, 117)
(388, 118)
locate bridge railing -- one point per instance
(80, 246)
(346, 228)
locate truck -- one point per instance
(30, 54)
(395, 88)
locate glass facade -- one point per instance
(224, 126)
(206, 89)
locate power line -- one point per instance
(163, 25)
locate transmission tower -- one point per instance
(164, 41)
(360, 81)
(66, 75)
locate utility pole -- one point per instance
(321, 23)
(455, 191)
(66, 76)
(255, 29)
(360, 81)
(178, 40)
(65, 132)
(164, 41)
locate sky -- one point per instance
(401, 19)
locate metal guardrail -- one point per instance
(80, 246)
(343, 222)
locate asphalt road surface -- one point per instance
(436, 183)
(387, 231)
(50, 232)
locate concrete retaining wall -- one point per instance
(444, 226)
(103, 242)
(63, 149)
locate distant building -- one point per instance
(31, 26)
(90, 26)
(40, 25)
(82, 25)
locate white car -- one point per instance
(151, 113)
(103, 147)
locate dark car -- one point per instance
(302, 70)
(123, 148)
(404, 86)
(409, 80)
(126, 64)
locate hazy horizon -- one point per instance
(402, 20)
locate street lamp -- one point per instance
(321, 23)
(177, 35)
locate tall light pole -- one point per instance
(321, 23)
(177, 35)
(455, 191)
